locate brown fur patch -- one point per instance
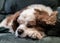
(41, 16)
(15, 23)
(13, 18)
(53, 18)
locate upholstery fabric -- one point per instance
(10, 38)
(1, 4)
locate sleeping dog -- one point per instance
(35, 21)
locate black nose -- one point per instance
(20, 31)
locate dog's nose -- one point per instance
(20, 31)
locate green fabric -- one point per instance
(1, 4)
(3, 30)
(10, 38)
(2, 16)
(58, 16)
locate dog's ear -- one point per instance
(12, 20)
(41, 16)
(15, 23)
(41, 12)
(52, 19)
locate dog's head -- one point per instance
(30, 19)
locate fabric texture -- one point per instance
(12, 6)
(2, 16)
(1, 4)
(10, 38)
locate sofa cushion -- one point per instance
(15, 5)
(10, 38)
(1, 4)
(2, 17)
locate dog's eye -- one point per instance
(29, 26)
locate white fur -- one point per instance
(41, 7)
(26, 16)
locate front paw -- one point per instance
(37, 35)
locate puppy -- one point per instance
(31, 21)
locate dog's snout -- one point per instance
(20, 31)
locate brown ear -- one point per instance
(41, 15)
(41, 12)
(52, 19)
(13, 18)
(15, 23)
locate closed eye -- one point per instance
(30, 26)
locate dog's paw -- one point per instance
(36, 35)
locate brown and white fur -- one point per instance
(27, 22)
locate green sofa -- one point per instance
(6, 37)
(10, 38)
